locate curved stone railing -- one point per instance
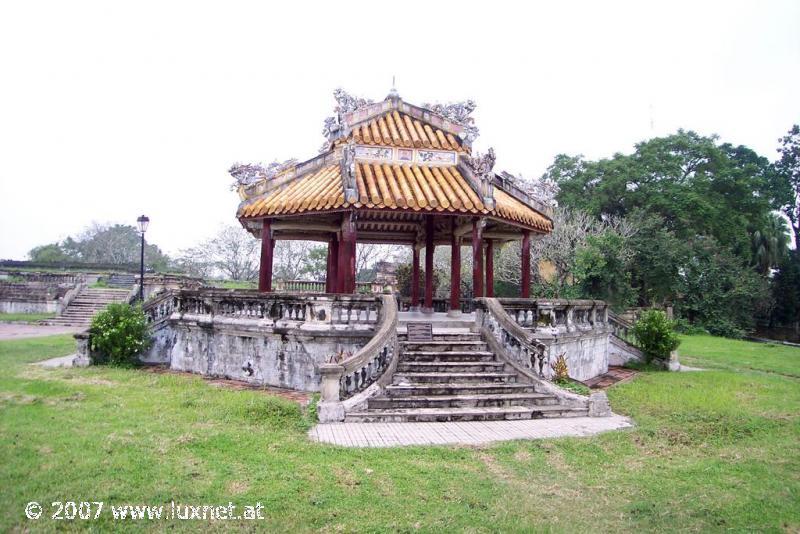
(347, 384)
(159, 308)
(519, 348)
(557, 316)
(578, 329)
(621, 328)
(518, 343)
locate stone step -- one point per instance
(488, 413)
(445, 334)
(449, 367)
(436, 356)
(439, 378)
(462, 401)
(438, 323)
(430, 346)
(456, 388)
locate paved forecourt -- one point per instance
(461, 433)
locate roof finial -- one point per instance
(393, 92)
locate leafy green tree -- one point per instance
(52, 253)
(316, 264)
(602, 270)
(788, 168)
(719, 291)
(786, 291)
(698, 187)
(117, 244)
(770, 243)
(658, 259)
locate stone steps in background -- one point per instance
(86, 305)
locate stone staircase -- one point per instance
(121, 280)
(86, 304)
(455, 377)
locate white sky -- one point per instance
(109, 110)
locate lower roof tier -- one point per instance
(407, 187)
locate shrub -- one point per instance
(119, 335)
(560, 370)
(655, 335)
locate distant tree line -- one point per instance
(112, 244)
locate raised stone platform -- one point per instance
(461, 433)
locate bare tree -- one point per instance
(291, 259)
(232, 253)
(571, 231)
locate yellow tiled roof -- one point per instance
(381, 185)
(398, 129)
(317, 191)
(415, 186)
(510, 208)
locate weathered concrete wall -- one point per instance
(244, 350)
(13, 306)
(586, 353)
(620, 353)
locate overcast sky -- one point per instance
(112, 109)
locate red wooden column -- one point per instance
(526, 264)
(429, 248)
(265, 268)
(333, 264)
(347, 256)
(477, 259)
(489, 268)
(455, 271)
(415, 279)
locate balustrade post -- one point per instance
(330, 408)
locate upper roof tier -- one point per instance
(401, 130)
(396, 156)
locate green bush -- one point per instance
(119, 335)
(655, 335)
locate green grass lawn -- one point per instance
(24, 317)
(716, 450)
(232, 284)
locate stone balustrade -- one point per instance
(557, 316)
(440, 305)
(253, 305)
(347, 383)
(316, 286)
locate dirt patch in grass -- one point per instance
(300, 397)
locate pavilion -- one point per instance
(394, 173)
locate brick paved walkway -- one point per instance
(461, 433)
(615, 375)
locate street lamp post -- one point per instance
(142, 222)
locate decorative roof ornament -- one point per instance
(481, 166)
(247, 174)
(345, 103)
(459, 113)
(348, 166)
(542, 190)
